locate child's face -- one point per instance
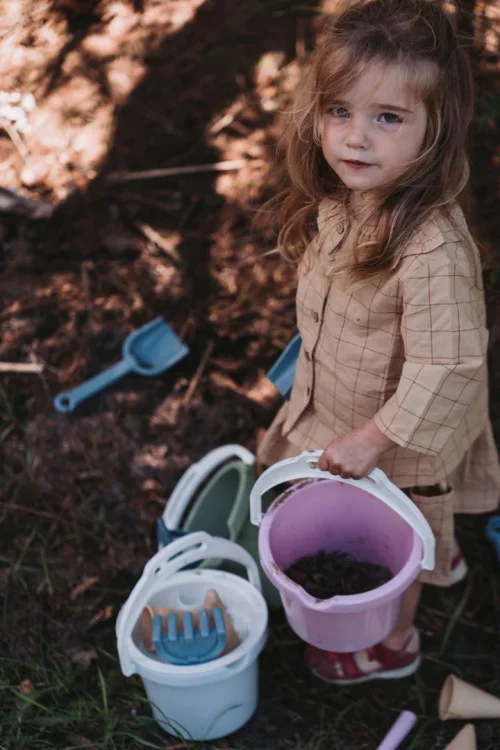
(374, 130)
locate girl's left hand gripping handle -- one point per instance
(68, 401)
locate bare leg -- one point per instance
(397, 639)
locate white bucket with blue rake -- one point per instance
(199, 701)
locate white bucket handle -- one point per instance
(376, 483)
(188, 484)
(169, 560)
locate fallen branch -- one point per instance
(15, 138)
(197, 376)
(221, 166)
(27, 367)
(162, 242)
(228, 118)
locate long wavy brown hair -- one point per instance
(419, 37)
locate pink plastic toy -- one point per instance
(399, 730)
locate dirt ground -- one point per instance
(137, 85)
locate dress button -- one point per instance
(341, 228)
(307, 356)
(315, 317)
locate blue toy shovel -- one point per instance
(150, 350)
(193, 645)
(282, 373)
(493, 534)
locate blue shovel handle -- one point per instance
(69, 400)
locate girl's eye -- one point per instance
(336, 111)
(389, 118)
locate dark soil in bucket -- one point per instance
(328, 574)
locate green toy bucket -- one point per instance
(213, 495)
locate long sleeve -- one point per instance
(445, 343)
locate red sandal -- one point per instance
(375, 663)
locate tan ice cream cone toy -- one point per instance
(460, 700)
(465, 739)
(212, 601)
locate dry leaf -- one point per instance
(26, 687)
(82, 587)
(102, 616)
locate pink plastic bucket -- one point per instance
(369, 518)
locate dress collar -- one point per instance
(334, 221)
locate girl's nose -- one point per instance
(357, 137)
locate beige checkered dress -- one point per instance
(410, 352)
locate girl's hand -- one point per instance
(355, 454)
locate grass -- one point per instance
(59, 705)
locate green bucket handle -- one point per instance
(191, 480)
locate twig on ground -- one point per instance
(24, 367)
(156, 238)
(221, 166)
(25, 509)
(15, 138)
(228, 118)
(197, 376)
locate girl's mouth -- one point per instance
(356, 164)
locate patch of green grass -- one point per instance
(52, 703)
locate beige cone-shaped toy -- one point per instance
(465, 739)
(460, 700)
(212, 601)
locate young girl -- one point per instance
(390, 306)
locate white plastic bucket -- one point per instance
(202, 701)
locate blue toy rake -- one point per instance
(192, 645)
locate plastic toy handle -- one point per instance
(399, 730)
(282, 373)
(376, 483)
(195, 475)
(169, 560)
(69, 400)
